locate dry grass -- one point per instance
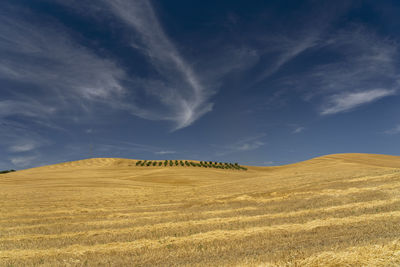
(337, 210)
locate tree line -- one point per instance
(186, 163)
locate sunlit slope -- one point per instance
(328, 211)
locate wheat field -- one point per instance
(336, 210)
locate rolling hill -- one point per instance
(335, 210)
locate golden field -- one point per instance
(336, 210)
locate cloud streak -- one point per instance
(23, 147)
(32, 108)
(288, 49)
(23, 161)
(164, 152)
(246, 144)
(367, 61)
(347, 101)
(395, 130)
(61, 72)
(298, 130)
(359, 67)
(178, 88)
(250, 146)
(19, 138)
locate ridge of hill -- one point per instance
(334, 210)
(378, 160)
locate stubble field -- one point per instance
(330, 211)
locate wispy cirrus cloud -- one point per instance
(249, 145)
(286, 45)
(395, 130)
(67, 75)
(19, 138)
(62, 73)
(287, 49)
(298, 130)
(358, 67)
(23, 147)
(245, 144)
(178, 87)
(21, 143)
(349, 100)
(30, 108)
(353, 61)
(365, 61)
(164, 152)
(22, 161)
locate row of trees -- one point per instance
(204, 164)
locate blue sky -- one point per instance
(256, 82)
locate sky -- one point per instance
(256, 82)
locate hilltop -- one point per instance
(332, 210)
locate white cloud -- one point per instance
(164, 152)
(246, 144)
(288, 49)
(395, 130)
(60, 72)
(348, 101)
(360, 66)
(31, 108)
(250, 146)
(180, 89)
(22, 161)
(23, 147)
(67, 75)
(367, 61)
(287, 45)
(365, 72)
(20, 138)
(298, 130)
